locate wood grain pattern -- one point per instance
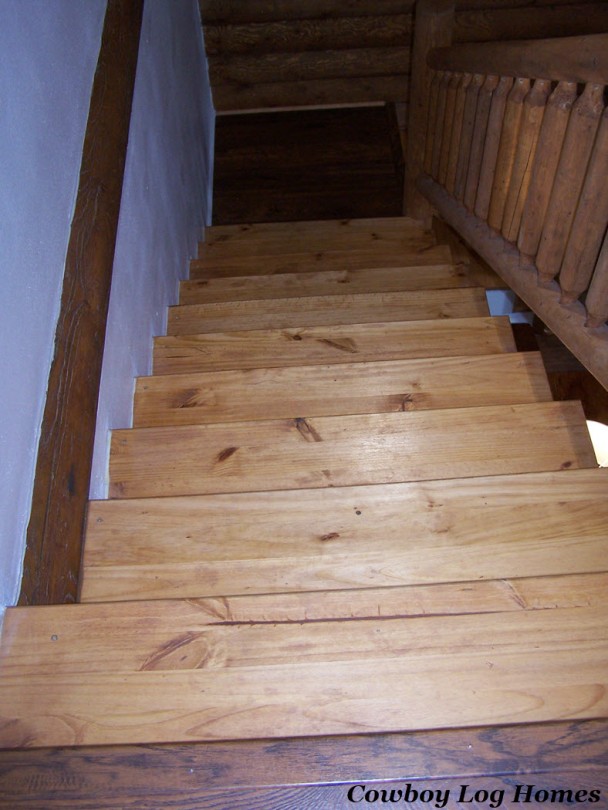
(258, 11)
(332, 344)
(415, 251)
(251, 543)
(269, 237)
(597, 298)
(61, 486)
(568, 59)
(333, 665)
(289, 285)
(394, 385)
(200, 775)
(325, 310)
(347, 450)
(491, 147)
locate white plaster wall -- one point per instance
(165, 204)
(48, 55)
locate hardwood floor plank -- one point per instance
(348, 450)
(413, 252)
(393, 385)
(547, 754)
(332, 282)
(499, 680)
(354, 537)
(332, 344)
(326, 310)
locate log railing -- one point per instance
(516, 160)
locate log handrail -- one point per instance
(566, 59)
(65, 451)
(528, 191)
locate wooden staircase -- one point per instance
(347, 505)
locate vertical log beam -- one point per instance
(461, 94)
(448, 126)
(569, 179)
(589, 224)
(431, 126)
(548, 151)
(506, 151)
(480, 128)
(466, 136)
(490, 152)
(597, 297)
(534, 110)
(433, 25)
(63, 469)
(442, 99)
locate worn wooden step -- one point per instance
(412, 251)
(265, 238)
(393, 385)
(332, 344)
(347, 450)
(331, 282)
(351, 537)
(167, 680)
(326, 310)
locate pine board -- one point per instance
(356, 537)
(347, 450)
(393, 385)
(332, 282)
(415, 251)
(332, 344)
(368, 675)
(327, 310)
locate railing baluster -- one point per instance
(548, 151)
(506, 151)
(448, 125)
(490, 152)
(440, 123)
(532, 118)
(482, 114)
(569, 179)
(431, 122)
(597, 297)
(468, 123)
(461, 92)
(589, 223)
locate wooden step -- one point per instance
(354, 388)
(327, 310)
(411, 251)
(347, 450)
(332, 282)
(332, 344)
(266, 238)
(352, 537)
(159, 676)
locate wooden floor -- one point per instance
(353, 523)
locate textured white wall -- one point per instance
(48, 55)
(165, 204)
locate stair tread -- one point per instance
(324, 310)
(348, 450)
(332, 344)
(390, 385)
(347, 537)
(327, 282)
(414, 251)
(237, 681)
(248, 231)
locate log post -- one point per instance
(548, 152)
(461, 93)
(597, 297)
(490, 152)
(466, 137)
(569, 179)
(448, 126)
(589, 224)
(482, 115)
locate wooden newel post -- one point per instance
(433, 25)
